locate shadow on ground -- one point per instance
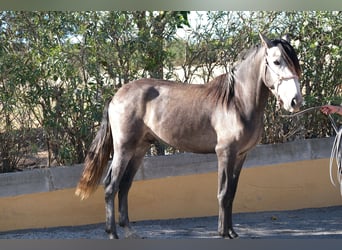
(312, 223)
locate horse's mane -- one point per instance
(246, 53)
(221, 89)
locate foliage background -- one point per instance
(58, 68)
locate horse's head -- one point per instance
(282, 72)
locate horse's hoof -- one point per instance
(112, 235)
(230, 235)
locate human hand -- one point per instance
(331, 109)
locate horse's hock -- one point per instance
(274, 177)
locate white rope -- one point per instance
(336, 154)
(301, 112)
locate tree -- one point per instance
(154, 28)
(58, 68)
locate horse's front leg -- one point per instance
(229, 168)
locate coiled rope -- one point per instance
(336, 152)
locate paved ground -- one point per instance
(313, 223)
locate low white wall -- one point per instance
(57, 178)
(274, 177)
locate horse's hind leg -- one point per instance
(111, 182)
(125, 184)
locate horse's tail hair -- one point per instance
(97, 158)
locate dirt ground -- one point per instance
(310, 223)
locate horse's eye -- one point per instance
(276, 62)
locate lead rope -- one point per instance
(336, 152)
(302, 112)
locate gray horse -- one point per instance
(223, 116)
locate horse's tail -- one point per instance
(97, 158)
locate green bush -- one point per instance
(58, 68)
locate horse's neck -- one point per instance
(251, 94)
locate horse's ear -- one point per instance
(286, 37)
(265, 41)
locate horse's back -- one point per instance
(149, 91)
(141, 90)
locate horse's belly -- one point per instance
(186, 137)
(196, 144)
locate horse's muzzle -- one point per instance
(296, 102)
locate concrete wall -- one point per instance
(275, 177)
